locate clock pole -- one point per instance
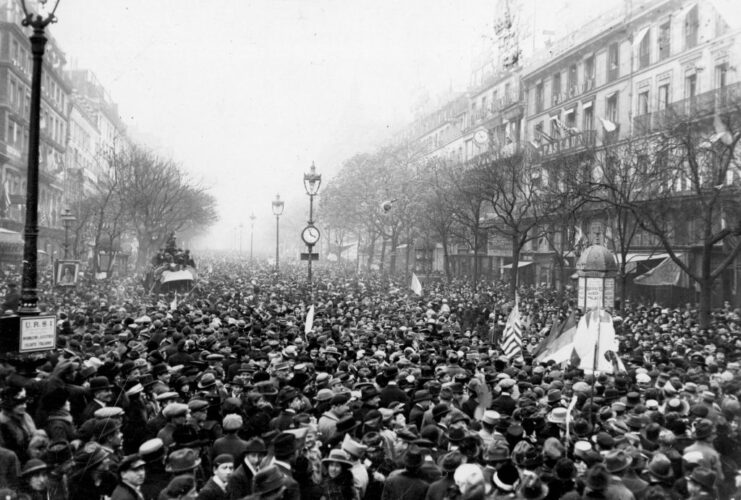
(312, 181)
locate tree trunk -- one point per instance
(446, 260)
(382, 259)
(515, 266)
(706, 287)
(392, 260)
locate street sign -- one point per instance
(305, 256)
(38, 333)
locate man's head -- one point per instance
(132, 470)
(339, 404)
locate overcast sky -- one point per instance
(246, 93)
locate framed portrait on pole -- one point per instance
(66, 272)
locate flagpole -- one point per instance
(594, 366)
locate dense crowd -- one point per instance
(225, 394)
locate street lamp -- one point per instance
(252, 233)
(311, 234)
(68, 219)
(37, 18)
(277, 211)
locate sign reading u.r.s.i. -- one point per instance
(37, 333)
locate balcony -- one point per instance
(569, 144)
(699, 106)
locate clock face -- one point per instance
(310, 235)
(481, 136)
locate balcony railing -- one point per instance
(698, 106)
(569, 143)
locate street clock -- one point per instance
(310, 235)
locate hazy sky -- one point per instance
(246, 93)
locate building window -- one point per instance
(539, 98)
(690, 86)
(613, 62)
(588, 119)
(611, 108)
(691, 27)
(663, 96)
(721, 75)
(556, 89)
(644, 50)
(573, 81)
(664, 40)
(588, 73)
(570, 118)
(643, 103)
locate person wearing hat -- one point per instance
(17, 428)
(156, 477)
(284, 455)
(449, 462)
(240, 482)
(392, 393)
(701, 484)
(108, 434)
(176, 415)
(59, 423)
(216, 487)
(355, 452)
(339, 408)
(421, 403)
(35, 477)
(269, 484)
(339, 482)
(230, 443)
(409, 482)
(370, 398)
(102, 393)
(90, 476)
(131, 472)
(704, 434)
(179, 488)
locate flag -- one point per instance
(594, 340)
(174, 303)
(309, 323)
(578, 238)
(416, 285)
(608, 125)
(511, 342)
(559, 343)
(721, 132)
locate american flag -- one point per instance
(511, 342)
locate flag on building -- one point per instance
(608, 125)
(416, 285)
(511, 342)
(309, 323)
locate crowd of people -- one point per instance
(226, 394)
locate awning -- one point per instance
(587, 105)
(8, 236)
(632, 259)
(520, 264)
(667, 273)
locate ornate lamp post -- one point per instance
(277, 211)
(68, 219)
(311, 234)
(252, 234)
(37, 16)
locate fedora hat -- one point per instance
(554, 396)
(89, 457)
(207, 381)
(182, 460)
(660, 467)
(440, 410)
(267, 480)
(338, 456)
(368, 392)
(422, 395)
(284, 445)
(617, 461)
(703, 429)
(704, 477)
(413, 457)
(451, 461)
(497, 451)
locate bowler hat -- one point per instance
(413, 457)
(284, 445)
(255, 445)
(99, 384)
